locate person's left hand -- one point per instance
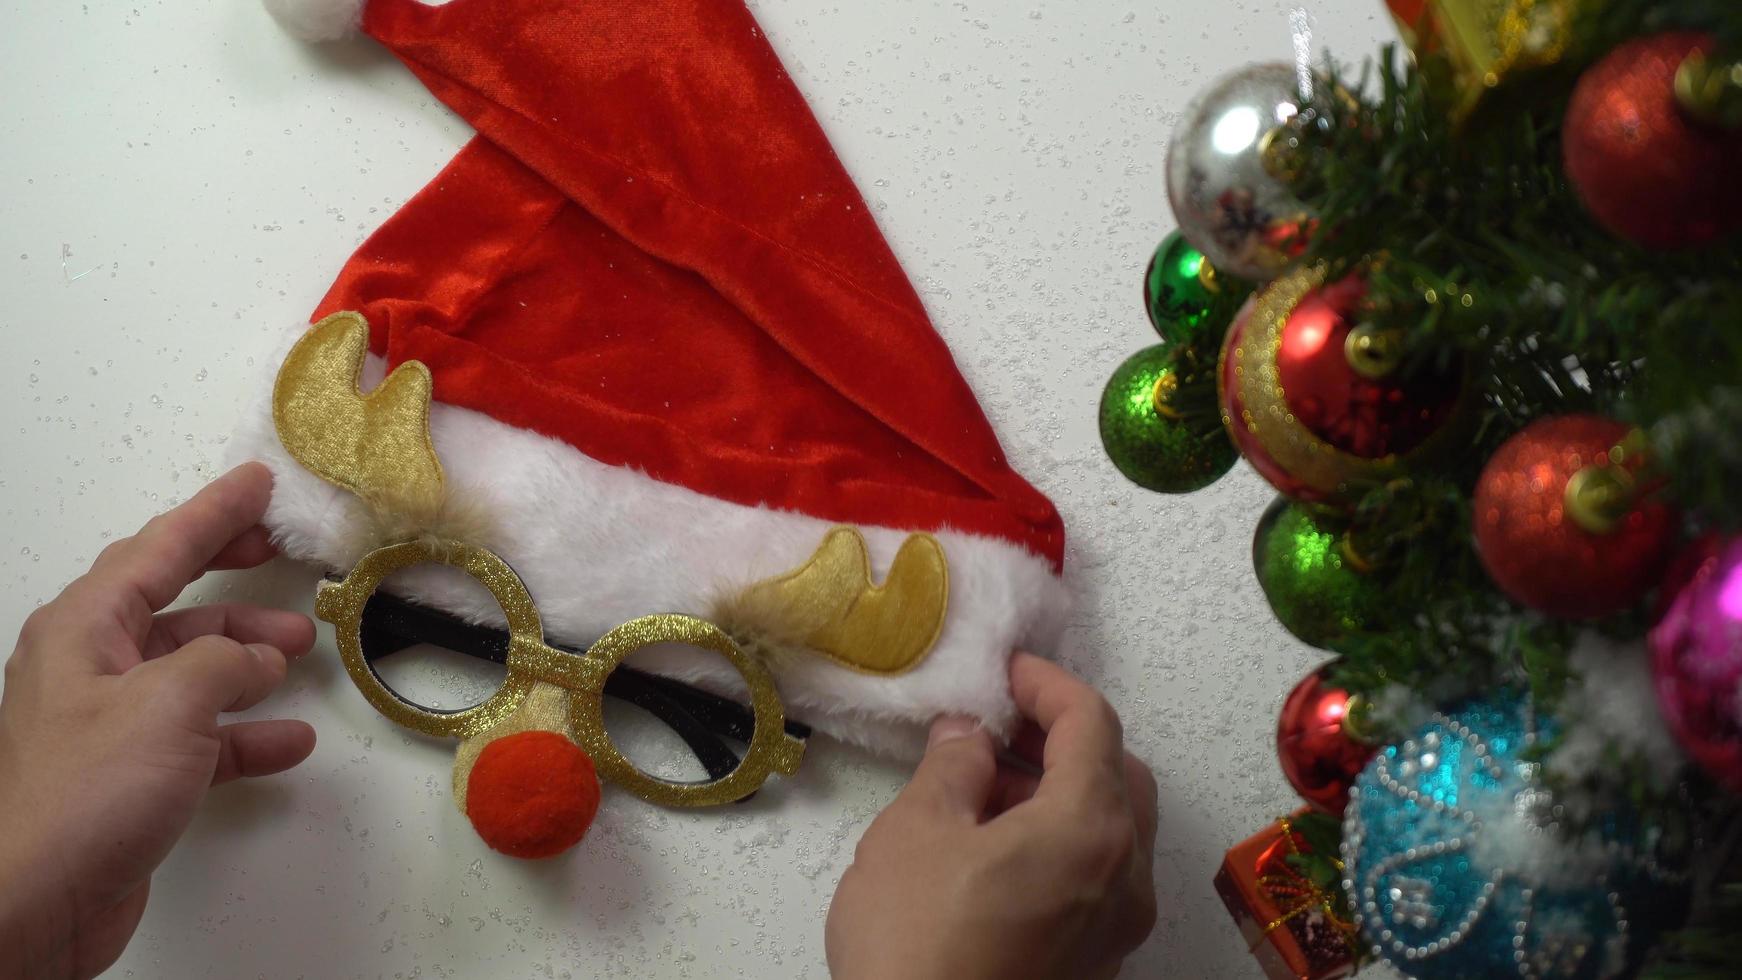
(109, 726)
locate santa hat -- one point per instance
(671, 353)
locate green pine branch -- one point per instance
(1477, 250)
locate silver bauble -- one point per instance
(1225, 200)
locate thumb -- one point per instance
(958, 769)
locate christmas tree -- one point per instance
(1475, 311)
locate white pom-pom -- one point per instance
(318, 20)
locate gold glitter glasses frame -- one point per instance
(531, 659)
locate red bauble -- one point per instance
(1365, 416)
(1645, 169)
(1319, 757)
(1316, 413)
(1234, 408)
(1537, 552)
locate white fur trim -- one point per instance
(599, 545)
(318, 20)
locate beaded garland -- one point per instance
(1455, 862)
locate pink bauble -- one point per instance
(1696, 655)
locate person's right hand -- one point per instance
(974, 871)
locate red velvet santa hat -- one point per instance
(671, 350)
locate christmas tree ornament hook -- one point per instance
(1710, 90)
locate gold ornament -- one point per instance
(1358, 721)
(1710, 90)
(535, 665)
(1487, 42)
(377, 445)
(1161, 396)
(1372, 352)
(1208, 278)
(829, 604)
(1598, 497)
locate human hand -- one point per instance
(976, 871)
(109, 731)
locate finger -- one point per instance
(214, 673)
(956, 773)
(246, 550)
(1138, 911)
(1028, 744)
(174, 548)
(1083, 737)
(261, 748)
(291, 632)
(1141, 790)
(1010, 788)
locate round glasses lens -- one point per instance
(421, 636)
(674, 731)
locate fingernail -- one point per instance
(949, 728)
(260, 650)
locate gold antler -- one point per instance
(830, 605)
(377, 445)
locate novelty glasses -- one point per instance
(355, 610)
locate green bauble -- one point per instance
(1175, 293)
(1314, 587)
(1152, 432)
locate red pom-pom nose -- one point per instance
(532, 794)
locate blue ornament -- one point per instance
(1457, 865)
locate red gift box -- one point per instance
(1296, 930)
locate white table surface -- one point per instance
(180, 180)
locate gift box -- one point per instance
(1295, 928)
